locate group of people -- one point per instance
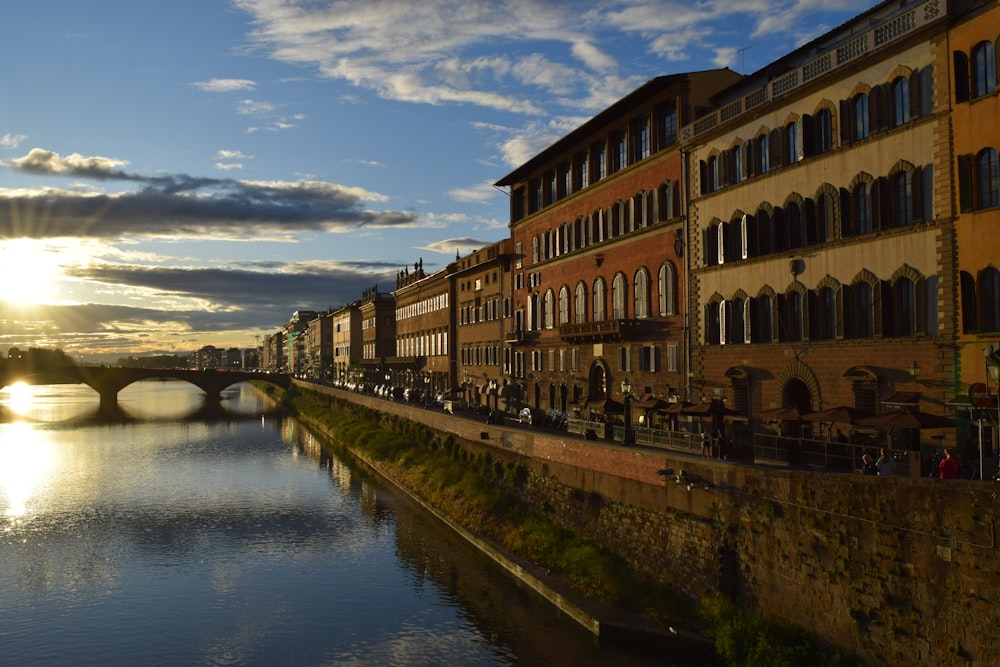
(713, 444)
(881, 466)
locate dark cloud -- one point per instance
(253, 292)
(178, 205)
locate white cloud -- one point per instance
(224, 85)
(11, 141)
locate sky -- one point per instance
(188, 173)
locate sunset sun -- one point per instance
(27, 272)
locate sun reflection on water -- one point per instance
(27, 461)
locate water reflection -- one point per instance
(27, 462)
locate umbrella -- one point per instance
(907, 419)
(649, 402)
(714, 408)
(781, 415)
(678, 408)
(840, 415)
(606, 405)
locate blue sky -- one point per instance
(177, 174)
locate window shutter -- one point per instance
(846, 228)
(704, 178)
(809, 142)
(915, 95)
(800, 146)
(961, 76)
(881, 204)
(743, 236)
(776, 148)
(749, 151)
(723, 322)
(918, 195)
(920, 306)
(720, 231)
(969, 310)
(747, 321)
(845, 123)
(965, 182)
(926, 200)
(881, 109)
(926, 85)
(878, 289)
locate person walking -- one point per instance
(948, 468)
(884, 464)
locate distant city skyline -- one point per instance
(188, 174)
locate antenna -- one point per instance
(743, 58)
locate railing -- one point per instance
(649, 437)
(886, 32)
(602, 330)
(828, 456)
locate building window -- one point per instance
(582, 172)
(600, 162)
(563, 305)
(672, 358)
(904, 294)
(548, 312)
(763, 155)
(713, 319)
(580, 304)
(984, 74)
(903, 187)
(824, 131)
(619, 155)
(599, 300)
(624, 359)
(790, 316)
(649, 357)
(668, 128)
(823, 314)
(641, 286)
(641, 130)
(900, 101)
(987, 178)
(792, 143)
(618, 297)
(861, 208)
(666, 282)
(761, 314)
(862, 128)
(989, 291)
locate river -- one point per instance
(170, 537)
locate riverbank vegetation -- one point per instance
(479, 491)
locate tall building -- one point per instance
(599, 252)
(424, 330)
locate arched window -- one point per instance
(713, 174)
(861, 208)
(548, 309)
(790, 316)
(534, 249)
(900, 101)
(712, 323)
(989, 291)
(563, 305)
(903, 194)
(984, 74)
(904, 296)
(618, 300)
(737, 166)
(667, 289)
(988, 178)
(641, 286)
(859, 311)
(763, 154)
(796, 225)
(862, 127)
(599, 300)
(824, 131)
(823, 314)
(580, 304)
(792, 143)
(761, 314)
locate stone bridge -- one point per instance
(107, 381)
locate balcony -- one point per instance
(520, 337)
(609, 330)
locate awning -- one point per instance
(903, 399)
(677, 408)
(649, 402)
(781, 415)
(907, 419)
(710, 409)
(839, 415)
(502, 391)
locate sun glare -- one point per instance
(26, 464)
(27, 272)
(19, 398)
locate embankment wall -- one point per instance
(902, 571)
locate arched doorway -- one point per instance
(597, 383)
(796, 395)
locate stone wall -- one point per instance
(904, 571)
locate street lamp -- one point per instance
(629, 437)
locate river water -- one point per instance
(166, 536)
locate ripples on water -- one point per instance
(156, 539)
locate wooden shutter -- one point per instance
(965, 200)
(846, 124)
(961, 76)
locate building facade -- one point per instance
(424, 331)
(482, 285)
(599, 244)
